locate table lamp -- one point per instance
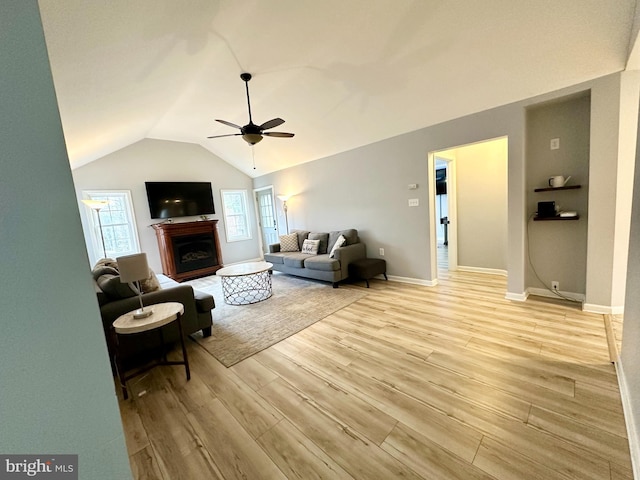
(134, 268)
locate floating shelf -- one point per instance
(557, 217)
(553, 189)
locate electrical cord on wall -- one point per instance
(533, 269)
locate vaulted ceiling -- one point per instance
(342, 73)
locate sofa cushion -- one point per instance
(310, 247)
(114, 288)
(275, 258)
(289, 243)
(324, 241)
(295, 260)
(322, 262)
(339, 243)
(351, 235)
(302, 236)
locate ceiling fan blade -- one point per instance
(229, 124)
(271, 124)
(228, 135)
(278, 134)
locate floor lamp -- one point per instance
(98, 205)
(284, 199)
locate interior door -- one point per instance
(267, 220)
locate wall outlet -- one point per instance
(413, 186)
(382, 252)
(555, 286)
(555, 144)
(414, 202)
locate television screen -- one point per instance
(441, 181)
(179, 199)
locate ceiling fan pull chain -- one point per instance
(253, 156)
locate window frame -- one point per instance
(94, 241)
(245, 215)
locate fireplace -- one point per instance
(189, 249)
(193, 252)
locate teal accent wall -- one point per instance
(56, 389)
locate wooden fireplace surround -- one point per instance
(167, 233)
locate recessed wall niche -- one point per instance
(558, 250)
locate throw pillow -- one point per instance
(324, 241)
(150, 284)
(310, 247)
(289, 243)
(339, 242)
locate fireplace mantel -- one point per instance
(173, 238)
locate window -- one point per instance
(119, 230)
(236, 217)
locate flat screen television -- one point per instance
(441, 181)
(179, 199)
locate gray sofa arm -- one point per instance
(346, 255)
(274, 248)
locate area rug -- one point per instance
(240, 331)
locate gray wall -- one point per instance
(481, 186)
(559, 249)
(161, 160)
(367, 188)
(57, 394)
(630, 356)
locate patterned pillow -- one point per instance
(339, 242)
(310, 247)
(289, 243)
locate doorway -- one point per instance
(468, 216)
(266, 214)
(442, 212)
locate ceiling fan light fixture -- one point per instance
(252, 138)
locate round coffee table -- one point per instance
(246, 283)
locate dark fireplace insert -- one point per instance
(193, 252)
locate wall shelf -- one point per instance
(553, 189)
(557, 217)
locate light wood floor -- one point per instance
(446, 382)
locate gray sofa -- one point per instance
(320, 266)
(116, 299)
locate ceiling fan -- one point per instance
(252, 133)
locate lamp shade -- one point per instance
(133, 267)
(95, 204)
(283, 197)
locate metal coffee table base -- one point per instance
(246, 289)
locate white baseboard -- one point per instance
(258, 259)
(629, 420)
(603, 309)
(414, 281)
(543, 292)
(517, 297)
(490, 271)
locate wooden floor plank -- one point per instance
(233, 450)
(297, 456)
(439, 383)
(353, 452)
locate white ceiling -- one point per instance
(342, 73)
